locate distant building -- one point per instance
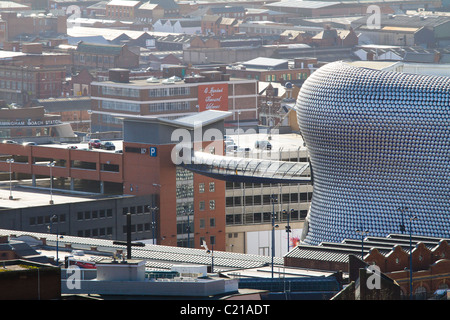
(333, 37)
(274, 70)
(122, 9)
(17, 275)
(19, 26)
(406, 30)
(149, 12)
(121, 96)
(188, 26)
(32, 124)
(20, 85)
(237, 12)
(94, 56)
(171, 7)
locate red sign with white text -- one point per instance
(213, 97)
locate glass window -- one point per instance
(212, 204)
(212, 187)
(202, 205)
(201, 187)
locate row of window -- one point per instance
(136, 209)
(107, 118)
(40, 220)
(121, 92)
(108, 231)
(201, 187)
(212, 205)
(100, 232)
(94, 214)
(239, 185)
(169, 106)
(82, 58)
(287, 76)
(264, 217)
(121, 105)
(265, 199)
(183, 174)
(169, 92)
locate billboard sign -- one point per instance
(213, 97)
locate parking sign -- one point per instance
(152, 151)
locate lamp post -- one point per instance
(288, 227)
(204, 245)
(188, 228)
(410, 257)
(51, 165)
(52, 219)
(154, 209)
(10, 161)
(402, 226)
(274, 199)
(362, 233)
(238, 114)
(153, 223)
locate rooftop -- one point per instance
(302, 4)
(157, 257)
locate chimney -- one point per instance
(33, 48)
(119, 75)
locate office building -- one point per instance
(205, 90)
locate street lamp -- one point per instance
(402, 226)
(273, 199)
(238, 114)
(410, 256)
(204, 245)
(362, 233)
(153, 223)
(188, 228)
(51, 165)
(55, 218)
(10, 161)
(288, 227)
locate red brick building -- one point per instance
(102, 57)
(218, 25)
(121, 96)
(430, 260)
(31, 25)
(122, 9)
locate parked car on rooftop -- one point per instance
(94, 143)
(107, 145)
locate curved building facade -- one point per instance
(379, 146)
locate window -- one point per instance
(202, 205)
(212, 222)
(212, 187)
(202, 223)
(212, 204)
(201, 187)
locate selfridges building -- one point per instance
(379, 146)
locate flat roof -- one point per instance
(28, 197)
(302, 4)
